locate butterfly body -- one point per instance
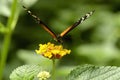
(58, 38)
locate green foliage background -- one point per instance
(95, 41)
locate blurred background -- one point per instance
(95, 41)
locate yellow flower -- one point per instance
(52, 51)
(44, 75)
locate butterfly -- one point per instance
(58, 38)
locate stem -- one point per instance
(4, 52)
(12, 20)
(53, 70)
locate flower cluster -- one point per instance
(52, 51)
(44, 75)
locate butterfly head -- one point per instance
(59, 39)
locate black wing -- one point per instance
(43, 25)
(76, 23)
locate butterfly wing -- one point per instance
(43, 25)
(76, 23)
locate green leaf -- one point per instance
(25, 72)
(4, 8)
(91, 72)
(101, 53)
